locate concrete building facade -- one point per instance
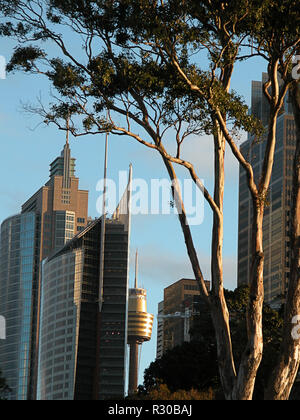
(178, 308)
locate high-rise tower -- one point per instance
(82, 352)
(140, 324)
(51, 217)
(60, 204)
(276, 241)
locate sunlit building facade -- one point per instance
(160, 331)
(49, 219)
(178, 311)
(83, 329)
(277, 220)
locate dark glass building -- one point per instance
(83, 330)
(18, 288)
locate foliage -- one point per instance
(4, 388)
(162, 392)
(194, 364)
(123, 58)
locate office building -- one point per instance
(83, 322)
(61, 206)
(160, 331)
(18, 284)
(51, 217)
(276, 224)
(179, 308)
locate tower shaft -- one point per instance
(133, 368)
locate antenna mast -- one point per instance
(68, 129)
(102, 244)
(136, 270)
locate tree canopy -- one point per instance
(199, 357)
(4, 388)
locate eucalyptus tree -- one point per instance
(271, 31)
(282, 29)
(276, 38)
(117, 74)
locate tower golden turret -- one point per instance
(140, 324)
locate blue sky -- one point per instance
(28, 147)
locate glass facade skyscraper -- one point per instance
(276, 223)
(83, 344)
(60, 313)
(49, 219)
(18, 294)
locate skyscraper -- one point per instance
(51, 217)
(83, 331)
(61, 206)
(160, 331)
(276, 224)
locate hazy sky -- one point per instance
(27, 148)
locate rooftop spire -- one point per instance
(136, 270)
(68, 130)
(67, 158)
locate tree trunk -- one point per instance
(285, 373)
(219, 310)
(216, 304)
(252, 355)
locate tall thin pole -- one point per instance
(68, 129)
(136, 270)
(102, 244)
(105, 176)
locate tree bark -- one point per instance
(219, 310)
(216, 304)
(252, 355)
(284, 375)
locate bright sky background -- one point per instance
(27, 148)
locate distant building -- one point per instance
(160, 331)
(277, 219)
(179, 306)
(83, 331)
(61, 206)
(51, 217)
